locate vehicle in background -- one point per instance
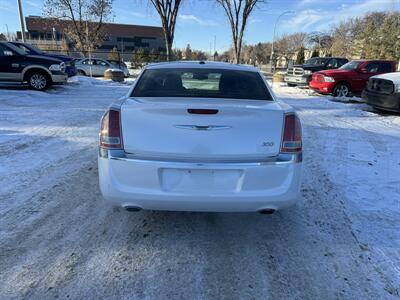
(97, 67)
(301, 74)
(200, 136)
(118, 63)
(383, 92)
(32, 50)
(349, 78)
(38, 71)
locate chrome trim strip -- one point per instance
(205, 127)
(282, 158)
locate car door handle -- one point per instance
(15, 65)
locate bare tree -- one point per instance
(344, 36)
(288, 46)
(168, 12)
(238, 12)
(320, 40)
(83, 20)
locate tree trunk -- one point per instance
(168, 46)
(239, 51)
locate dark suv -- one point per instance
(301, 74)
(39, 72)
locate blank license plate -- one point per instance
(200, 180)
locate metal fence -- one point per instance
(126, 56)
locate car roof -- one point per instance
(183, 64)
(18, 42)
(372, 60)
(84, 58)
(393, 76)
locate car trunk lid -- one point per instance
(201, 129)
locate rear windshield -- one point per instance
(204, 83)
(316, 61)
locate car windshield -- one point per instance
(352, 65)
(204, 83)
(33, 49)
(316, 61)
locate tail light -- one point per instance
(292, 138)
(110, 130)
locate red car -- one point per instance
(349, 78)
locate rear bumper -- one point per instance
(183, 186)
(383, 101)
(298, 80)
(322, 87)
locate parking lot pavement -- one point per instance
(59, 240)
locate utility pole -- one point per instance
(121, 57)
(21, 19)
(215, 46)
(273, 37)
(89, 48)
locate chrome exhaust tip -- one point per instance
(267, 211)
(132, 208)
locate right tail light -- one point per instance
(292, 137)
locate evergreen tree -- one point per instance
(369, 35)
(114, 54)
(389, 37)
(188, 54)
(140, 56)
(215, 56)
(300, 56)
(178, 54)
(315, 53)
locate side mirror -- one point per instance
(8, 53)
(363, 70)
(329, 67)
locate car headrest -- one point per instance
(173, 82)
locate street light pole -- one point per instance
(273, 37)
(21, 19)
(8, 33)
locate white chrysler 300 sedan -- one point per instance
(200, 136)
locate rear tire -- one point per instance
(341, 90)
(39, 81)
(80, 73)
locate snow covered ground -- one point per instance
(58, 239)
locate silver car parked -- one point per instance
(97, 67)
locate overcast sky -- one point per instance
(200, 20)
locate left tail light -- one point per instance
(292, 140)
(110, 130)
